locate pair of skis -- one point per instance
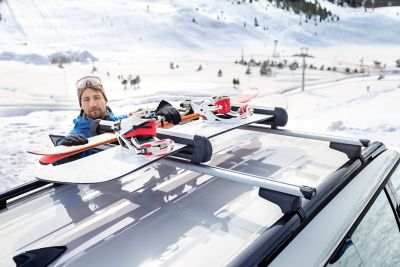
(138, 133)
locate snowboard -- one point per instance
(116, 162)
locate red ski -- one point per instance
(213, 109)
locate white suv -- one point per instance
(268, 197)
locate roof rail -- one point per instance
(22, 190)
(351, 147)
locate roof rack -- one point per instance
(287, 196)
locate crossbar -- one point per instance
(263, 182)
(320, 137)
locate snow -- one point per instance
(144, 37)
(360, 112)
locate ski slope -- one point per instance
(145, 37)
(122, 29)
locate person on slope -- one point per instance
(93, 102)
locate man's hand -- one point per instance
(96, 128)
(73, 140)
(170, 113)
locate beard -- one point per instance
(96, 114)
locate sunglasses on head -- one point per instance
(89, 82)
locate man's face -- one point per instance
(93, 103)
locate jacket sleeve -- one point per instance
(121, 117)
(81, 126)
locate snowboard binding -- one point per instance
(218, 110)
(136, 135)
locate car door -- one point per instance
(374, 239)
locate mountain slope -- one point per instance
(126, 26)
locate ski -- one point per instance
(219, 105)
(54, 154)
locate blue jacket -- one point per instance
(83, 123)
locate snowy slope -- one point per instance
(128, 27)
(144, 37)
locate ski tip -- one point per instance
(44, 163)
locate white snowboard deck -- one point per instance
(116, 162)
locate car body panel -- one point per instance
(316, 242)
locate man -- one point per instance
(93, 102)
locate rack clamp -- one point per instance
(279, 119)
(198, 149)
(288, 203)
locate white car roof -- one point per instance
(167, 216)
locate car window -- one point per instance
(375, 241)
(395, 178)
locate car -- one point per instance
(268, 197)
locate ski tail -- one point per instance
(246, 95)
